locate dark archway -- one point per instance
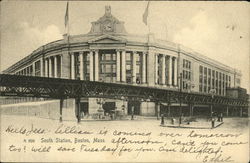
(136, 105)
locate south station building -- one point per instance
(109, 54)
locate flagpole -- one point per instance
(66, 22)
(145, 19)
(148, 30)
(149, 24)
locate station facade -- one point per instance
(109, 54)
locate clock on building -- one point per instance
(107, 26)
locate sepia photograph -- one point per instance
(124, 81)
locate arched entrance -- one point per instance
(108, 107)
(136, 105)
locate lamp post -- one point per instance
(190, 85)
(123, 104)
(212, 92)
(100, 110)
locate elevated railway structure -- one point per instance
(55, 88)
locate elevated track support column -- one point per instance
(61, 108)
(191, 109)
(158, 105)
(169, 109)
(227, 111)
(211, 110)
(77, 107)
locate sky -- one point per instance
(218, 30)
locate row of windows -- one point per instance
(218, 90)
(129, 56)
(186, 85)
(160, 62)
(211, 79)
(186, 74)
(129, 67)
(28, 71)
(214, 74)
(186, 64)
(108, 57)
(107, 68)
(37, 68)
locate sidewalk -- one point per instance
(194, 125)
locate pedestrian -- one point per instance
(123, 110)
(82, 115)
(213, 120)
(172, 120)
(132, 113)
(162, 119)
(221, 117)
(218, 117)
(211, 117)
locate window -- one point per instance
(200, 79)
(114, 57)
(114, 68)
(87, 68)
(102, 56)
(200, 88)
(108, 57)
(209, 72)
(137, 57)
(128, 57)
(108, 68)
(128, 67)
(137, 69)
(205, 80)
(86, 65)
(102, 68)
(28, 71)
(201, 69)
(87, 57)
(205, 89)
(205, 71)
(37, 68)
(108, 65)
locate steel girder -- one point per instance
(16, 85)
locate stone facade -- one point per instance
(109, 54)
